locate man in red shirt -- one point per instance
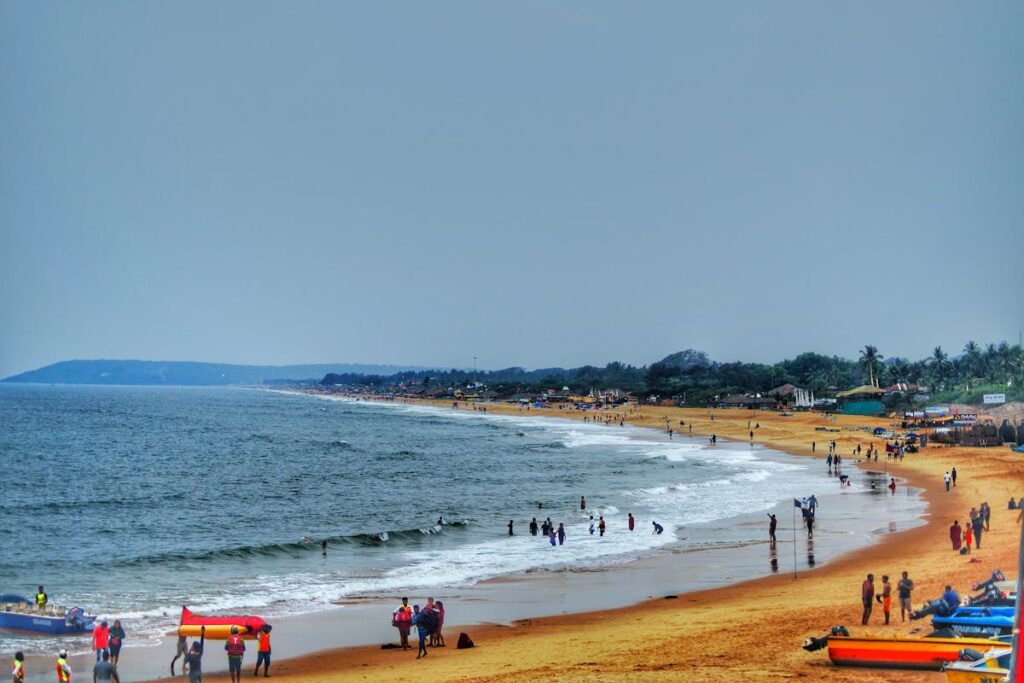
(867, 596)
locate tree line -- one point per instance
(692, 376)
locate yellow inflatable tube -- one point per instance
(214, 631)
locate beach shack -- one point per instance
(862, 400)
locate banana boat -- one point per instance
(192, 624)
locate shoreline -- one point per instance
(374, 663)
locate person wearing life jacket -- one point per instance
(63, 670)
(263, 651)
(235, 649)
(41, 599)
(18, 672)
(401, 619)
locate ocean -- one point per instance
(133, 501)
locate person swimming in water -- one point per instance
(657, 528)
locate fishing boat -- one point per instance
(218, 627)
(902, 653)
(993, 667)
(978, 622)
(21, 614)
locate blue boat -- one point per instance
(20, 614)
(982, 622)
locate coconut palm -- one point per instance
(870, 359)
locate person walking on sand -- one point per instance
(867, 597)
(561, 533)
(632, 522)
(886, 597)
(236, 650)
(600, 526)
(986, 513)
(904, 588)
(101, 639)
(115, 641)
(401, 619)
(947, 479)
(968, 537)
(772, 525)
(952, 475)
(956, 534)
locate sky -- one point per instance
(531, 183)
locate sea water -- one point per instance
(132, 502)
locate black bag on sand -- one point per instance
(465, 642)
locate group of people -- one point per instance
(234, 647)
(962, 537)
(869, 596)
(556, 535)
(429, 622)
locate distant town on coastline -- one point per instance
(689, 377)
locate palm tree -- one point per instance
(971, 360)
(870, 359)
(939, 361)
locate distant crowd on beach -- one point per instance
(556, 534)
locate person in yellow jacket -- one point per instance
(63, 670)
(41, 599)
(18, 672)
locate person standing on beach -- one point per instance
(18, 672)
(561, 533)
(892, 485)
(828, 461)
(632, 522)
(947, 479)
(263, 651)
(968, 536)
(952, 476)
(886, 597)
(104, 670)
(600, 526)
(867, 597)
(63, 670)
(236, 650)
(813, 446)
(194, 659)
(772, 524)
(978, 525)
(956, 535)
(904, 588)
(986, 513)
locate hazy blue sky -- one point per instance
(532, 183)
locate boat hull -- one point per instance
(902, 653)
(42, 624)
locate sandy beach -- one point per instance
(750, 631)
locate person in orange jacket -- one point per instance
(263, 651)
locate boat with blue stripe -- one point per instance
(18, 613)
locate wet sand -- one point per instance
(751, 630)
